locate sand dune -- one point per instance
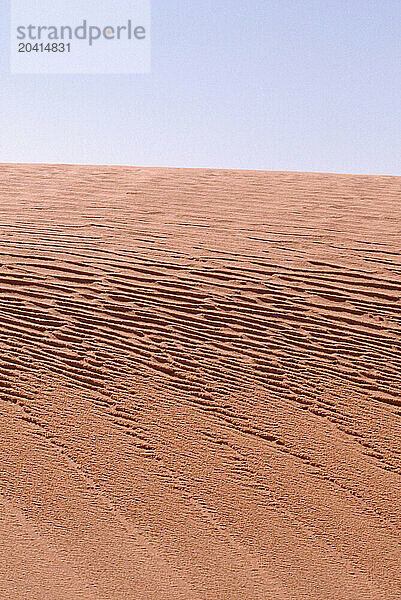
(199, 385)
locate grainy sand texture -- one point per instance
(199, 385)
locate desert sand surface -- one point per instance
(200, 389)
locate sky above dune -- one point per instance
(274, 85)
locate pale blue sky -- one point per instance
(260, 84)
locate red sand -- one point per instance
(199, 385)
